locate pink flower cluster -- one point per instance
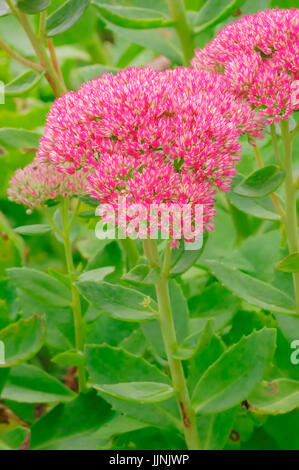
(259, 56)
(40, 182)
(152, 137)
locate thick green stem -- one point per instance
(54, 80)
(171, 344)
(184, 31)
(131, 250)
(290, 201)
(42, 25)
(78, 319)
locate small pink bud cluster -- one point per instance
(259, 55)
(40, 182)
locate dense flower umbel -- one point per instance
(40, 182)
(183, 116)
(259, 55)
(154, 138)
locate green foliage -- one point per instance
(138, 392)
(32, 6)
(19, 138)
(214, 12)
(290, 264)
(231, 378)
(30, 230)
(278, 396)
(261, 183)
(65, 16)
(253, 290)
(22, 340)
(30, 384)
(119, 302)
(133, 18)
(23, 83)
(63, 427)
(41, 287)
(232, 300)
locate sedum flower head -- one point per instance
(152, 137)
(40, 182)
(259, 55)
(182, 116)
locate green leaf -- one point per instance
(214, 12)
(4, 373)
(214, 302)
(108, 365)
(11, 247)
(119, 302)
(133, 18)
(160, 6)
(22, 340)
(208, 350)
(69, 358)
(41, 287)
(69, 426)
(282, 3)
(89, 72)
(164, 41)
(262, 251)
(183, 258)
(19, 138)
(96, 274)
(142, 274)
(290, 264)
(138, 392)
(262, 208)
(233, 376)
(284, 430)
(194, 5)
(261, 182)
(29, 119)
(214, 430)
(13, 439)
(60, 325)
(152, 438)
(109, 255)
(135, 343)
(23, 83)
(259, 207)
(38, 229)
(275, 397)
(252, 290)
(65, 16)
(30, 384)
(32, 6)
(119, 424)
(102, 328)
